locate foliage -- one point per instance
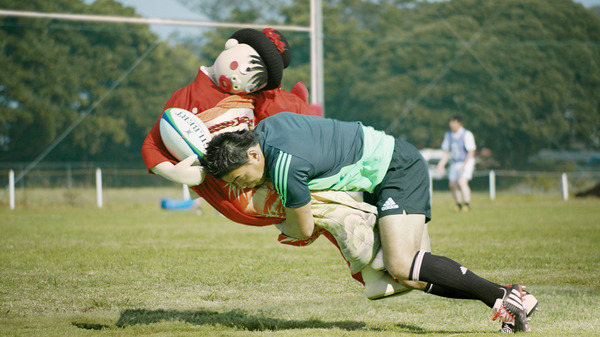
(524, 75)
(240, 11)
(54, 73)
(521, 81)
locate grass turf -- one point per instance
(132, 269)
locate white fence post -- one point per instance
(99, 187)
(492, 185)
(565, 187)
(11, 188)
(69, 177)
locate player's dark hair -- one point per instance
(457, 118)
(227, 151)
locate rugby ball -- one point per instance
(183, 133)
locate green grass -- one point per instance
(132, 269)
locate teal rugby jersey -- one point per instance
(304, 153)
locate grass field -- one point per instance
(68, 268)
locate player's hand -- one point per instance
(441, 170)
(184, 172)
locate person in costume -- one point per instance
(239, 90)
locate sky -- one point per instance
(172, 9)
(166, 9)
(589, 3)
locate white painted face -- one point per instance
(234, 71)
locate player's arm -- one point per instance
(441, 166)
(291, 183)
(470, 147)
(470, 155)
(299, 222)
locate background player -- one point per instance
(459, 146)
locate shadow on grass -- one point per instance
(91, 326)
(234, 319)
(415, 330)
(238, 319)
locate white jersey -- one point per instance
(459, 143)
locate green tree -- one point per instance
(525, 75)
(239, 11)
(54, 72)
(532, 76)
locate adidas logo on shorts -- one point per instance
(389, 204)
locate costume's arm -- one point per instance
(159, 161)
(183, 172)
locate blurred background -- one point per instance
(524, 76)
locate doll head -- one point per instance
(251, 61)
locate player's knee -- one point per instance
(463, 183)
(399, 268)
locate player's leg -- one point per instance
(456, 194)
(401, 238)
(465, 192)
(453, 175)
(379, 284)
(378, 265)
(407, 188)
(463, 182)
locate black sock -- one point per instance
(438, 290)
(442, 271)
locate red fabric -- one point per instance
(199, 96)
(300, 90)
(203, 94)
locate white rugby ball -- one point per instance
(183, 133)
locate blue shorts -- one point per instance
(461, 169)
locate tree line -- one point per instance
(524, 75)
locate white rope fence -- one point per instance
(563, 178)
(492, 181)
